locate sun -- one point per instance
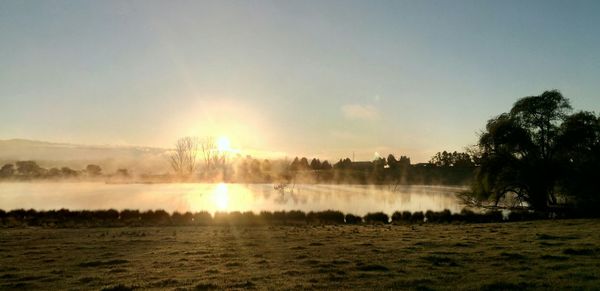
(223, 144)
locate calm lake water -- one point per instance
(356, 199)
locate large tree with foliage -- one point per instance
(578, 146)
(529, 152)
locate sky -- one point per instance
(293, 78)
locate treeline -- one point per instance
(444, 168)
(29, 170)
(114, 218)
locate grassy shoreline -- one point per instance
(558, 254)
(65, 218)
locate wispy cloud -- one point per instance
(357, 111)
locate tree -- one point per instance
(29, 169)
(93, 170)
(391, 161)
(265, 166)
(255, 168)
(377, 170)
(208, 149)
(53, 173)
(343, 164)
(517, 152)
(183, 158)
(578, 150)
(404, 161)
(540, 116)
(68, 172)
(124, 173)
(454, 159)
(303, 165)
(295, 165)
(315, 164)
(8, 170)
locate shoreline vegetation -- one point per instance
(65, 218)
(456, 169)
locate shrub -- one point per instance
(353, 219)
(396, 217)
(155, 217)
(17, 214)
(182, 219)
(221, 218)
(326, 217)
(202, 218)
(235, 218)
(266, 216)
(491, 216)
(439, 217)
(468, 215)
(517, 215)
(417, 217)
(105, 215)
(279, 217)
(430, 216)
(239, 218)
(406, 216)
(129, 215)
(296, 216)
(249, 218)
(377, 217)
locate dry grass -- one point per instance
(559, 255)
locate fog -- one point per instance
(356, 199)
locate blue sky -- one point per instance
(315, 78)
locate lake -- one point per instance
(356, 199)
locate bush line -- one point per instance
(127, 217)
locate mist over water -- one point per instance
(356, 199)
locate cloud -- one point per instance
(357, 111)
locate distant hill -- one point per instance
(110, 158)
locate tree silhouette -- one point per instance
(391, 161)
(29, 169)
(315, 164)
(183, 158)
(208, 151)
(54, 173)
(8, 170)
(326, 165)
(295, 165)
(578, 150)
(122, 173)
(68, 172)
(303, 165)
(93, 170)
(518, 151)
(454, 159)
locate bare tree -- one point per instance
(183, 158)
(208, 151)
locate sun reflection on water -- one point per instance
(221, 196)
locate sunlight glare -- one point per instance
(221, 196)
(223, 144)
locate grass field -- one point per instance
(561, 254)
